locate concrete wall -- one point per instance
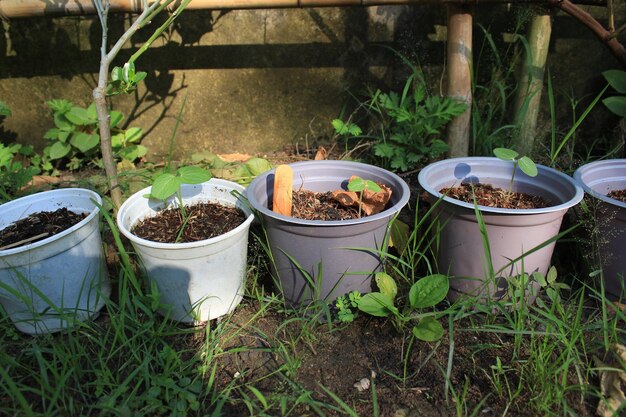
(254, 80)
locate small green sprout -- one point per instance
(359, 185)
(167, 184)
(524, 163)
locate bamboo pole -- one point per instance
(530, 82)
(459, 61)
(12, 9)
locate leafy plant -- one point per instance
(411, 123)
(426, 292)
(524, 163)
(5, 110)
(242, 172)
(76, 137)
(167, 184)
(617, 80)
(13, 173)
(345, 305)
(359, 186)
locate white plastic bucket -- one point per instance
(196, 281)
(57, 282)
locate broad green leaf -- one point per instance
(257, 166)
(527, 166)
(117, 74)
(132, 153)
(78, 116)
(92, 113)
(117, 141)
(59, 150)
(428, 291)
(5, 110)
(164, 186)
(377, 304)
(61, 122)
(140, 76)
(551, 275)
(386, 284)
(115, 118)
(356, 184)
(399, 235)
(193, 175)
(540, 279)
(428, 329)
(616, 104)
(505, 154)
(52, 133)
(372, 186)
(84, 141)
(617, 79)
(133, 134)
(59, 105)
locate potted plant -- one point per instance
(605, 182)
(520, 241)
(56, 278)
(320, 260)
(196, 280)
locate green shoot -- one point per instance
(167, 184)
(359, 185)
(524, 163)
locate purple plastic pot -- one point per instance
(322, 260)
(511, 232)
(598, 179)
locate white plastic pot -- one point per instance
(196, 281)
(60, 281)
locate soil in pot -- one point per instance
(489, 196)
(38, 226)
(329, 206)
(619, 195)
(205, 221)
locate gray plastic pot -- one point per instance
(321, 260)
(60, 281)
(511, 232)
(598, 179)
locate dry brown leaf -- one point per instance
(321, 154)
(612, 383)
(234, 157)
(373, 202)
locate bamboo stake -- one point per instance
(459, 63)
(283, 188)
(531, 82)
(25, 241)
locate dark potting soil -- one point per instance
(309, 205)
(205, 220)
(38, 226)
(489, 196)
(619, 195)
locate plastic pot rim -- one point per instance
(586, 167)
(32, 246)
(187, 245)
(422, 179)
(395, 208)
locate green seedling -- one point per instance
(345, 306)
(426, 292)
(524, 163)
(167, 184)
(359, 185)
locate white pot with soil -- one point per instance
(55, 277)
(520, 241)
(196, 280)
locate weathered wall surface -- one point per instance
(253, 80)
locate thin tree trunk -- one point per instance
(459, 76)
(530, 82)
